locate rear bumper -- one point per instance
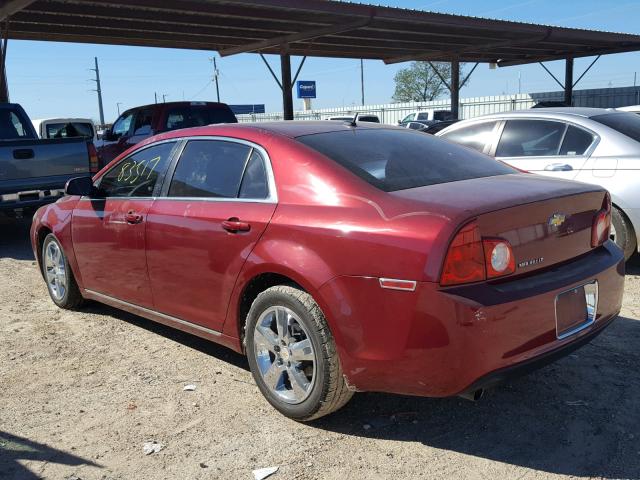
(443, 342)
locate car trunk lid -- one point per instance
(546, 221)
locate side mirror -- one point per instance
(82, 186)
(109, 136)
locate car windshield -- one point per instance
(400, 159)
(626, 123)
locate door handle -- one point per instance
(133, 217)
(234, 225)
(23, 154)
(558, 167)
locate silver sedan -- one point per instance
(591, 145)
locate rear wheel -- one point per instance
(61, 283)
(622, 233)
(292, 354)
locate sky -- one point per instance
(53, 79)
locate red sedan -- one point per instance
(340, 257)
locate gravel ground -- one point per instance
(81, 393)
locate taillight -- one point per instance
(472, 259)
(602, 223)
(93, 158)
(499, 257)
(465, 258)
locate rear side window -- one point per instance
(138, 174)
(189, 116)
(142, 124)
(11, 126)
(210, 169)
(626, 123)
(475, 136)
(399, 159)
(576, 141)
(530, 138)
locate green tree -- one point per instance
(420, 83)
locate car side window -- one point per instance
(210, 168)
(530, 138)
(122, 125)
(254, 181)
(576, 141)
(142, 124)
(138, 174)
(475, 136)
(423, 116)
(408, 118)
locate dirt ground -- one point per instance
(81, 393)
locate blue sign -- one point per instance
(306, 88)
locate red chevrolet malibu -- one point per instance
(340, 257)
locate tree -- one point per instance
(420, 83)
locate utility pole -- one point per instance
(362, 80)
(118, 107)
(216, 74)
(164, 97)
(98, 89)
(519, 83)
(155, 95)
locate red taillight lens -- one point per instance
(465, 258)
(93, 157)
(498, 257)
(602, 223)
(472, 259)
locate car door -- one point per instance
(108, 230)
(546, 147)
(213, 210)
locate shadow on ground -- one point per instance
(577, 417)
(14, 238)
(14, 448)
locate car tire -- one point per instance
(58, 276)
(278, 361)
(623, 234)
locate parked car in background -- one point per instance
(425, 117)
(631, 109)
(435, 127)
(340, 258)
(590, 145)
(33, 172)
(550, 104)
(140, 123)
(366, 117)
(65, 128)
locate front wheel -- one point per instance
(292, 354)
(61, 283)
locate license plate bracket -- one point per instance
(576, 309)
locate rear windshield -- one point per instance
(189, 116)
(67, 130)
(624, 122)
(399, 159)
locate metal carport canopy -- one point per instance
(319, 28)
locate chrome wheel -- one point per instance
(55, 270)
(284, 354)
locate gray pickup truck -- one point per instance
(34, 172)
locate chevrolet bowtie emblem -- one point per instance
(556, 220)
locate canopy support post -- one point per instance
(287, 94)
(455, 89)
(568, 82)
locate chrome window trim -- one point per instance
(148, 311)
(271, 182)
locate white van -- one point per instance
(65, 128)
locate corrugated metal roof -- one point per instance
(305, 27)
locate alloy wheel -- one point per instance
(55, 270)
(285, 355)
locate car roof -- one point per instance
(553, 112)
(299, 128)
